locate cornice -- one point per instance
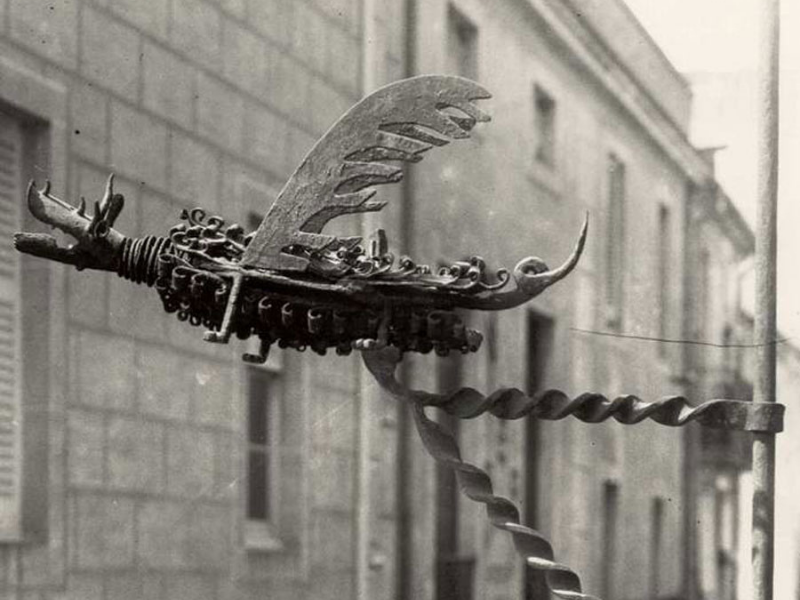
(611, 73)
(716, 205)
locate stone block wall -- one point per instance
(207, 103)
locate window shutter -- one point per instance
(11, 142)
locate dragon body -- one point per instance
(289, 284)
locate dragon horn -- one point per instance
(55, 212)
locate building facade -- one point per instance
(144, 463)
(719, 245)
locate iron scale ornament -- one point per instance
(289, 284)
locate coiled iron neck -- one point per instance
(139, 259)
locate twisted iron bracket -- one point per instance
(553, 405)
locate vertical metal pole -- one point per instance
(766, 276)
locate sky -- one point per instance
(702, 35)
(721, 38)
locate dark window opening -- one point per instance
(615, 243)
(703, 285)
(664, 267)
(462, 45)
(545, 124)
(656, 541)
(609, 538)
(260, 445)
(24, 349)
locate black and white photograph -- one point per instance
(399, 300)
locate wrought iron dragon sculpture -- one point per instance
(287, 282)
(291, 285)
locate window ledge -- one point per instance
(261, 537)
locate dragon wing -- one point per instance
(396, 124)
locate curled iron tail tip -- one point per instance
(568, 266)
(533, 276)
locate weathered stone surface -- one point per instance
(110, 52)
(273, 18)
(196, 32)
(89, 112)
(134, 587)
(88, 297)
(167, 84)
(161, 530)
(290, 93)
(103, 532)
(333, 476)
(332, 585)
(86, 435)
(151, 16)
(190, 463)
(134, 311)
(136, 457)
(104, 376)
(309, 39)
(346, 13)
(247, 60)
(161, 369)
(212, 394)
(342, 65)
(331, 541)
(265, 139)
(208, 538)
(191, 587)
(220, 113)
(46, 27)
(138, 146)
(234, 7)
(332, 419)
(81, 587)
(194, 171)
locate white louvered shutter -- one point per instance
(11, 153)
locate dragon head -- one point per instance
(98, 245)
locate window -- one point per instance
(264, 400)
(615, 244)
(703, 285)
(261, 444)
(730, 355)
(545, 126)
(263, 457)
(609, 538)
(656, 542)
(663, 273)
(11, 174)
(490, 346)
(27, 377)
(462, 45)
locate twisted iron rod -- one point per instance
(511, 403)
